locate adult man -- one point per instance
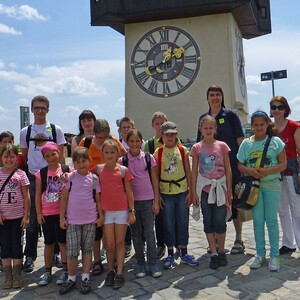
(32, 138)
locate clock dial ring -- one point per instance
(165, 61)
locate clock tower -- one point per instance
(176, 49)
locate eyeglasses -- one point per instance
(279, 107)
(41, 108)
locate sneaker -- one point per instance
(258, 262)
(45, 279)
(160, 252)
(284, 250)
(214, 262)
(274, 263)
(67, 287)
(155, 273)
(222, 259)
(141, 272)
(177, 253)
(110, 278)
(119, 281)
(168, 262)
(57, 261)
(28, 265)
(62, 278)
(189, 260)
(85, 286)
(127, 250)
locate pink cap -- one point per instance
(49, 146)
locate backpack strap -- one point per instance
(123, 172)
(53, 132)
(148, 164)
(71, 178)
(95, 179)
(159, 158)
(125, 160)
(44, 173)
(181, 149)
(88, 141)
(151, 145)
(28, 135)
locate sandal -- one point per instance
(238, 247)
(97, 268)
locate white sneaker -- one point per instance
(274, 263)
(258, 262)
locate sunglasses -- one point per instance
(279, 107)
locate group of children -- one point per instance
(131, 189)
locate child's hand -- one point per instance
(161, 203)
(64, 178)
(155, 208)
(1, 220)
(131, 218)
(100, 221)
(40, 219)
(195, 199)
(25, 222)
(189, 199)
(255, 173)
(63, 224)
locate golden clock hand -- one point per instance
(177, 52)
(167, 55)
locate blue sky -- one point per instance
(49, 48)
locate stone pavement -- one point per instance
(235, 281)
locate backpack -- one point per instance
(44, 172)
(123, 171)
(151, 145)
(28, 138)
(95, 179)
(159, 164)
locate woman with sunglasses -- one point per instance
(289, 209)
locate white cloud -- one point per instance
(71, 109)
(22, 12)
(2, 64)
(120, 103)
(82, 78)
(9, 30)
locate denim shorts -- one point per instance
(117, 217)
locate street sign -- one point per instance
(273, 75)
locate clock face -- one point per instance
(240, 62)
(165, 61)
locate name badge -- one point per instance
(221, 121)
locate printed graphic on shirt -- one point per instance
(255, 159)
(53, 189)
(171, 163)
(12, 184)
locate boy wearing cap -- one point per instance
(49, 183)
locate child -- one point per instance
(266, 209)
(211, 182)
(6, 137)
(94, 145)
(49, 184)
(80, 213)
(117, 205)
(14, 215)
(146, 201)
(151, 145)
(174, 168)
(125, 125)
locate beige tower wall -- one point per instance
(216, 36)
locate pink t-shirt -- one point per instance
(141, 183)
(81, 207)
(113, 195)
(211, 159)
(11, 198)
(51, 197)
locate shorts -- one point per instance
(117, 217)
(52, 230)
(80, 237)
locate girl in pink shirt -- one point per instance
(117, 204)
(14, 215)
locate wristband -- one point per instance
(131, 211)
(62, 220)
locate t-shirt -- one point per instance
(81, 207)
(97, 154)
(12, 201)
(141, 182)
(250, 154)
(113, 195)
(35, 158)
(211, 159)
(172, 168)
(287, 136)
(157, 144)
(51, 197)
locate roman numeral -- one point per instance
(143, 51)
(151, 40)
(188, 73)
(191, 59)
(179, 85)
(143, 77)
(166, 88)
(153, 86)
(164, 35)
(140, 64)
(188, 45)
(176, 37)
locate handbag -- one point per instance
(246, 191)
